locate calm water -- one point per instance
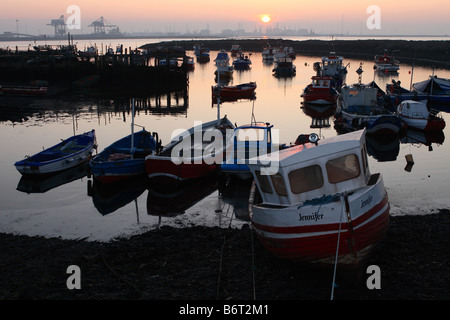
(70, 211)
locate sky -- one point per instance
(401, 17)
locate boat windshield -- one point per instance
(343, 168)
(306, 179)
(250, 134)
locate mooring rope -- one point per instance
(253, 265)
(337, 248)
(221, 251)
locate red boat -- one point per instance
(319, 203)
(193, 154)
(320, 91)
(230, 93)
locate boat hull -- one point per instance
(310, 232)
(375, 124)
(424, 124)
(164, 170)
(319, 98)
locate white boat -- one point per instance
(416, 115)
(320, 203)
(223, 67)
(67, 154)
(333, 66)
(268, 53)
(386, 63)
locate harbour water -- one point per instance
(71, 211)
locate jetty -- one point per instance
(113, 69)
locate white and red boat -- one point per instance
(320, 91)
(386, 63)
(195, 153)
(319, 203)
(416, 115)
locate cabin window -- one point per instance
(250, 134)
(364, 158)
(306, 179)
(263, 182)
(343, 168)
(278, 183)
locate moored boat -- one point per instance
(284, 68)
(223, 68)
(124, 158)
(386, 63)
(436, 89)
(234, 92)
(320, 203)
(235, 50)
(333, 66)
(320, 91)
(362, 106)
(359, 108)
(396, 93)
(248, 141)
(416, 115)
(202, 54)
(268, 53)
(65, 155)
(192, 154)
(242, 62)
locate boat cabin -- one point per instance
(359, 95)
(306, 172)
(332, 64)
(321, 82)
(250, 141)
(413, 109)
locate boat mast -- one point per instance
(132, 128)
(218, 96)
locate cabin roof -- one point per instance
(309, 151)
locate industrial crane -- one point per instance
(100, 25)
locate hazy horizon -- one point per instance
(322, 16)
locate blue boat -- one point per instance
(436, 89)
(242, 62)
(124, 158)
(360, 108)
(397, 94)
(248, 141)
(62, 156)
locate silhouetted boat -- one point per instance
(64, 155)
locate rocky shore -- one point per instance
(200, 263)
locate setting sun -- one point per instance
(265, 19)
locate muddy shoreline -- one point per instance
(211, 263)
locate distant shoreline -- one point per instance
(430, 53)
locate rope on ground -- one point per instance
(337, 248)
(221, 251)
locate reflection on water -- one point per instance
(30, 184)
(61, 206)
(108, 198)
(170, 201)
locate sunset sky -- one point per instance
(323, 16)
